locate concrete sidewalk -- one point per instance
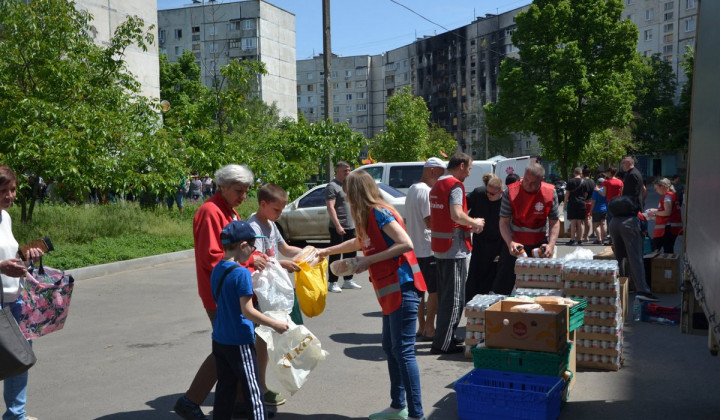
(135, 338)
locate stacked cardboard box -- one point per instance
(539, 273)
(599, 340)
(665, 273)
(475, 314)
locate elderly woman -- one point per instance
(668, 219)
(395, 275)
(233, 183)
(11, 270)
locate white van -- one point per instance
(401, 175)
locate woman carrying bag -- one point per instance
(395, 275)
(12, 270)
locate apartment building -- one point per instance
(455, 72)
(220, 32)
(665, 27)
(107, 15)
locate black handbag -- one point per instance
(15, 351)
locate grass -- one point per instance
(92, 234)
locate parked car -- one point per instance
(306, 218)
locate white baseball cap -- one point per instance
(434, 162)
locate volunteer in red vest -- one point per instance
(526, 209)
(668, 219)
(395, 275)
(450, 231)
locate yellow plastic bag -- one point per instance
(311, 287)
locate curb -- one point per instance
(116, 267)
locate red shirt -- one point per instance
(613, 188)
(208, 222)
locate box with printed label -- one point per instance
(538, 331)
(665, 277)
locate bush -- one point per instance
(91, 234)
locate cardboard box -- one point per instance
(526, 331)
(665, 276)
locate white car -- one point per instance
(306, 218)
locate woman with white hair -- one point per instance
(233, 182)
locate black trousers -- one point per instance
(483, 268)
(336, 238)
(237, 365)
(505, 278)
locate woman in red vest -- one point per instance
(388, 256)
(668, 219)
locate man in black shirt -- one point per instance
(625, 228)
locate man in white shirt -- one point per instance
(417, 207)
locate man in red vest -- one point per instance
(450, 230)
(525, 211)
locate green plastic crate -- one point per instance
(521, 361)
(577, 314)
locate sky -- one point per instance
(359, 27)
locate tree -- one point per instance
(654, 98)
(406, 129)
(70, 109)
(678, 117)
(573, 77)
(606, 148)
(439, 142)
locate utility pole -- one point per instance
(327, 69)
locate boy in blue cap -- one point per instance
(233, 331)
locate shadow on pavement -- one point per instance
(356, 338)
(376, 314)
(445, 408)
(368, 353)
(319, 416)
(161, 409)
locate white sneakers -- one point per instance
(350, 284)
(347, 284)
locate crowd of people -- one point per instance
(455, 245)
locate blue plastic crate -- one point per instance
(491, 394)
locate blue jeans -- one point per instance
(15, 388)
(398, 342)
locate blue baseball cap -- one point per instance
(238, 231)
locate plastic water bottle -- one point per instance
(637, 309)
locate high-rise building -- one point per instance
(219, 32)
(107, 15)
(665, 27)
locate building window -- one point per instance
(667, 49)
(361, 71)
(310, 88)
(196, 48)
(648, 35)
(213, 65)
(234, 43)
(213, 47)
(361, 95)
(668, 38)
(336, 109)
(389, 92)
(311, 110)
(178, 50)
(249, 43)
(527, 144)
(360, 84)
(361, 107)
(348, 97)
(309, 76)
(348, 108)
(233, 26)
(649, 14)
(628, 1)
(390, 79)
(161, 35)
(349, 120)
(348, 85)
(195, 29)
(361, 119)
(690, 25)
(178, 33)
(310, 99)
(668, 28)
(668, 16)
(348, 73)
(689, 4)
(669, 5)
(248, 24)
(335, 98)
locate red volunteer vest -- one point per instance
(383, 274)
(441, 224)
(530, 212)
(674, 220)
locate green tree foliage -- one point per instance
(678, 117)
(573, 77)
(606, 148)
(406, 129)
(70, 109)
(439, 142)
(654, 99)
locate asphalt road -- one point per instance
(134, 339)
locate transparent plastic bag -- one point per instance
(273, 288)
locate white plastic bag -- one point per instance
(579, 253)
(294, 354)
(273, 288)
